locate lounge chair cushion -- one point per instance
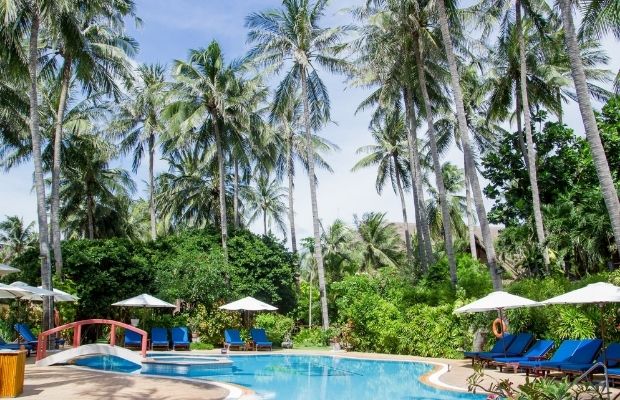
(180, 336)
(498, 347)
(260, 338)
(539, 349)
(566, 349)
(233, 338)
(516, 348)
(159, 337)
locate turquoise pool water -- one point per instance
(315, 377)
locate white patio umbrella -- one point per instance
(12, 292)
(248, 304)
(34, 292)
(144, 300)
(59, 296)
(7, 269)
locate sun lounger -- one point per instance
(566, 349)
(180, 337)
(260, 339)
(610, 356)
(14, 346)
(159, 338)
(499, 346)
(585, 354)
(232, 338)
(538, 351)
(132, 339)
(516, 349)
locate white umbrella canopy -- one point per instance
(7, 269)
(497, 301)
(248, 304)
(144, 300)
(59, 296)
(12, 292)
(597, 293)
(33, 291)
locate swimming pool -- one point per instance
(300, 377)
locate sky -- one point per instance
(170, 28)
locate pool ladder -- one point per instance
(592, 369)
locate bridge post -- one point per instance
(77, 335)
(113, 335)
(144, 340)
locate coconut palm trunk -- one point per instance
(518, 110)
(403, 206)
(237, 219)
(291, 187)
(152, 186)
(47, 321)
(416, 172)
(90, 214)
(610, 195)
(441, 188)
(470, 216)
(467, 150)
(318, 253)
(55, 194)
(222, 177)
(531, 152)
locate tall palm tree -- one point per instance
(208, 96)
(389, 156)
(91, 42)
(266, 199)
(137, 122)
(454, 183)
(467, 148)
(379, 242)
(15, 237)
(589, 121)
(292, 36)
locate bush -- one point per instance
(275, 325)
(211, 322)
(312, 337)
(200, 346)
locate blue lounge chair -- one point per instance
(516, 349)
(132, 339)
(610, 356)
(584, 354)
(260, 339)
(538, 351)
(566, 349)
(232, 338)
(159, 338)
(499, 346)
(180, 337)
(25, 333)
(14, 346)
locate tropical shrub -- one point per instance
(312, 337)
(276, 326)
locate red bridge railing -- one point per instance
(77, 334)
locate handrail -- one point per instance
(77, 334)
(592, 369)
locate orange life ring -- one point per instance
(499, 327)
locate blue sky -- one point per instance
(170, 28)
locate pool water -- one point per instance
(298, 377)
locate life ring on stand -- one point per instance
(499, 327)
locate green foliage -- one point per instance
(275, 325)
(312, 337)
(200, 346)
(210, 322)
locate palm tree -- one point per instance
(454, 183)
(589, 121)
(337, 243)
(89, 187)
(389, 155)
(467, 149)
(91, 42)
(208, 96)
(138, 123)
(292, 35)
(379, 242)
(266, 197)
(15, 237)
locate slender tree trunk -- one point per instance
(290, 170)
(560, 110)
(152, 186)
(470, 216)
(416, 172)
(265, 222)
(90, 214)
(318, 253)
(55, 206)
(403, 206)
(610, 195)
(44, 252)
(441, 188)
(469, 157)
(222, 177)
(518, 109)
(236, 194)
(531, 152)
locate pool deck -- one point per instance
(66, 382)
